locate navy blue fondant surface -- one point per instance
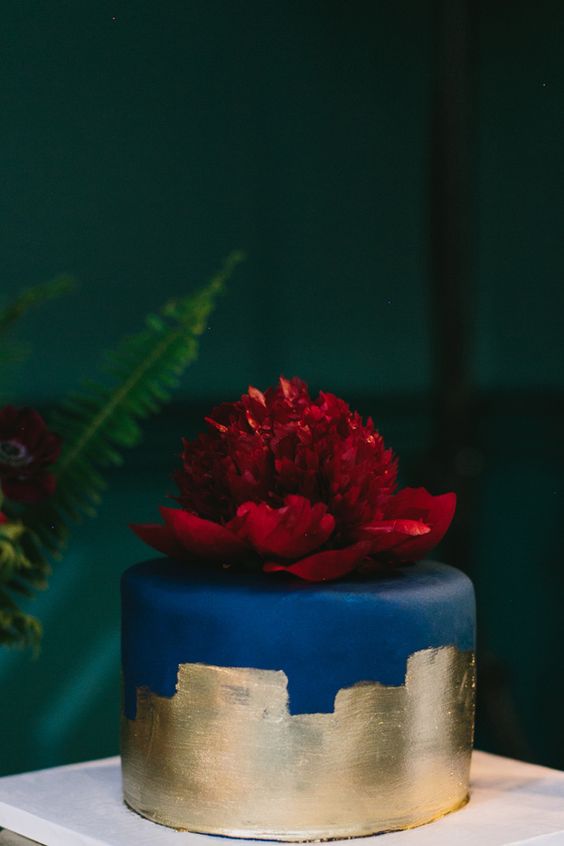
(324, 636)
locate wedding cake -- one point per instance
(289, 672)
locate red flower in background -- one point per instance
(299, 485)
(27, 449)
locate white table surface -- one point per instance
(512, 804)
(8, 838)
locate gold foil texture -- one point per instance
(225, 756)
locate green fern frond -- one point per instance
(32, 297)
(14, 353)
(96, 424)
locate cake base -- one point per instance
(295, 837)
(225, 756)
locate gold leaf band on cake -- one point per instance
(225, 756)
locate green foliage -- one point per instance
(12, 352)
(16, 627)
(32, 297)
(96, 424)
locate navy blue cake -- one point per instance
(289, 672)
(324, 637)
(274, 708)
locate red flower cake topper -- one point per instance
(297, 484)
(27, 449)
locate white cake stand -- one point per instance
(512, 804)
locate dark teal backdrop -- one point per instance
(143, 141)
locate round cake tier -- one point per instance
(266, 707)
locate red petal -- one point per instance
(292, 531)
(257, 395)
(203, 538)
(219, 426)
(52, 447)
(31, 428)
(29, 490)
(417, 503)
(160, 538)
(413, 528)
(324, 566)
(385, 535)
(286, 386)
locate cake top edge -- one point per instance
(169, 574)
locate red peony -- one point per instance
(27, 449)
(295, 484)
